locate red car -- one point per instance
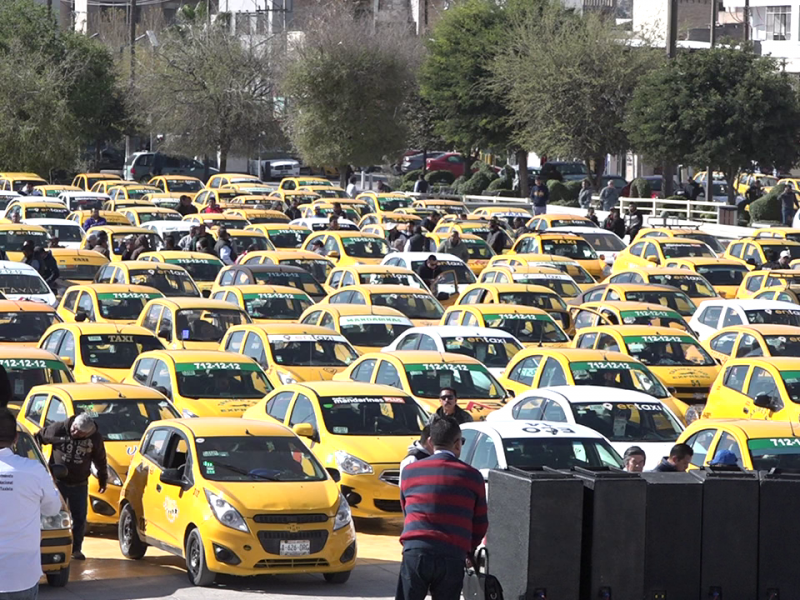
(451, 161)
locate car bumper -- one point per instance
(102, 509)
(376, 494)
(56, 549)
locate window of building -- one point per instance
(779, 23)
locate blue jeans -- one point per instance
(540, 210)
(29, 594)
(77, 497)
(788, 216)
(424, 570)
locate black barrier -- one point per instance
(613, 534)
(729, 555)
(673, 529)
(535, 531)
(779, 530)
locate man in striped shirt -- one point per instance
(444, 502)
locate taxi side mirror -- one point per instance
(511, 394)
(81, 316)
(763, 401)
(442, 296)
(334, 473)
(333, 254)
(652, 259)
(304, 430)
(165, 334)
(172, 477)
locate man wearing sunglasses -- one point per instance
(450, 408)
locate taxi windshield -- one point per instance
(365, 247)
(708, 239)
(45, 212)
(219, 380)
(558, 453)
(462, 271)
(302, 280)
(25, 373)
(577, 272)
(604, 242)
(25, 326)
(207, 324)
(668, 350)
(478, 249)
(135, 193)
(654, 317)
(469, 381)
(527, 328)
(692, 285)
(288, 238)
(257, 458)
(170, 282)
(330, 193)
(572, 223)
(373, 331)
(65, 233)
(629, 422)
(406, 279)
(311, 350)
(146, 217)
(319, 268)
(783, 279)
(11, 240)
(123, 306)
(125, 420)
(116, 351)
(577, 249)
(250, 242)
(493, 352)
(78, 203)
(414, 306)
(562, 285)
(119, 241)
(782, 345)
(183, 185)
(200, 269)
(276, 305)
(618, 374)
(534, 299)
(372, 415)
(19, 282)
(677, 301)
(793, 249)
(723, 274)
(780, 316)
(227, 223)
(390, 203)
(677, 250)
(775, 453)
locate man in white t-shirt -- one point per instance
(26, 493)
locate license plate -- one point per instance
(295, 547)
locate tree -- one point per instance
(725, 108)
(345, 85)
(421, 118)
(567, 79)
(208, 91)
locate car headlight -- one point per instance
(99, 379)
(286, 378)
(343, 514)
(225, 513)
(63, 521)
(111, 474)
(352, 465)
(187, 414)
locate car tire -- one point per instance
(196, 566)
(340, 577)
(58, 578)
(130, 544)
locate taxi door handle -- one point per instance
(745, 411)
(158, 487)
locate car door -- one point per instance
(387, 374)
(254, 348)
(86, 306)
(161, 499)
(633, 256)
(162, 379)
(363, 372)
(552, 373)
(303, 412)
(748, 346)
(410, 342)
(762, 383)
(521, 376)
(721, 346)
(484, 456)
(34, 412)
(701, 443)
(529, 409)
(728, 399)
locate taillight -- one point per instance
(133, 171)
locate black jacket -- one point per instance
(293, 213)
(461, 416)
(6, 394)
(187, 209)
(616, 225)
(665, 467)
(76, 455)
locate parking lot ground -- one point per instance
(106, 575)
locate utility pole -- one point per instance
(712, 41)
(746, 20)
(132, 74)
(672, 52)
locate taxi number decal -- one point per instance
(478, 340)
(366, 399)
(518, 317)
(31, 363)
(351, 240)
(190, 261)
(773, 443)
(127, 296)
(601, 365)
(533, 277)
(388, 320)
(276, 295)
(450, 263)
(306, 338)
(638, 406)
(647, 313)
(282, 231)
(658, 338)
(215, 366)
(543, 428)
(79, 259)
(444, 367)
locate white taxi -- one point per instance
(19, 281)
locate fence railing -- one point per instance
(689, 210)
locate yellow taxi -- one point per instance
(789, 293)
(758, 281)
(561, 283)
(757, 445)
(114, 303)
(211, 220)
(250, 201)
(566, 265)
(282, 236)
(246, 241)
(723, 274)
(694, 285)
(98, 352)
(122, 413)
(655, 252)
(77, 267)
(164, 199)
(22, 323)
(445, 228)
(121, 203)
(665, 295)
(373, 275)
(550, 220)
(350, 247)
(746, 179)
(53, 191)
(422, 374)
(319, 266)
(293, 277)
(121, 236)
(325, 210)
(56, 540)
(418, 305)
(180, 184)
(202, 383)
(292, 352)
(561, 244)
(289, 184)
(112, 217)
(677, 358)
(255, 216)
(531, 326)
(367, 328)
(450, 207)
(139, 215)
(288, 196)
(13, 235)
(763, 388)
(361, 207)
(479, 251)
(86, 181)
(745, 341)
(755, 252)
(593, 314)
(237, 497)
(14, 182)
(330, 192)
(36, 209)
(222, 198)
(203, 268)
(677, 232)
(361, 431)
(28, 367)
(130, 192)
(521, 294)
(171, 280)
(380, 203)
(221, 179)
(249, 189)
(265, 303)
(401, 220)
(501, 213)
(102, 186)
(784, 233)
(191, 323)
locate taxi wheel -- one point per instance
(196, 567)
(58, 578)
(341, 577)
(130, 544)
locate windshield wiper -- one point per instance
(245, 473)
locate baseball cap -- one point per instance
(786, 254)
(724, 457)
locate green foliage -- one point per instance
(640, 188)
(768, 207)
(412, 175)
(476, 184)
(420, 118)
(573, 189)
(458, 184)
(407, 186)
(725, 107)
(505, 181)
(445, 177)
(560, 194)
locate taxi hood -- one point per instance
(312, 373)
(219, 407)
(113, 375)
(379, 449)
(683, 376)
(256, 497)
(119, 454)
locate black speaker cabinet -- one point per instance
(779, 530)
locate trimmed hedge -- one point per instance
(768, 207)
(412, 175)
(560, 194)
(445, 177)
(476, 184)
(640, 188)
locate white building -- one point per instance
(776, 27)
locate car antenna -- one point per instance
(247, 431)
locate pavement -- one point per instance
(106, 575)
